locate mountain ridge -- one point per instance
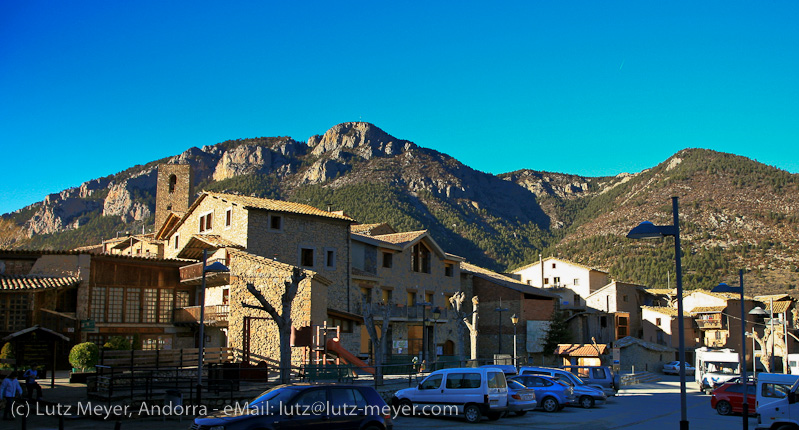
(734, 211)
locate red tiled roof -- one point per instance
(32, 283)
(581, 350)
(401, 238)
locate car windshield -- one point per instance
(574, 379)
(515, 385)
(275, 396)
(721, 367)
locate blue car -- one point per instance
(345, 407)
(551, 395)
(520, 398)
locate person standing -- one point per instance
(10, 389)
(30, 376)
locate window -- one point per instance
(330, 258)
(14, 312)
(449, 270)
(181, 299)
(306, 257)
(576, 281)
(98, 304)
(150, 305)
(226, 296)
(132, 305)
(344, 325)
(546, 281)
(599, 373)
(115, 304)
(447, 302)
(603, 322)
(275, 222)
(411, 298)
(774, 390)
(420, 258)
(624, 298)
(367, 294)
(167, 305)
(464, 380)
(428, 298)
(556, 280)
(311, 397)
(177, 240)
(388, 260)
(432, 382)
(228, 217)
(657, 322)
(553, 265)
(173, 181)
(496, 380)
(385, 296)
(206, 222)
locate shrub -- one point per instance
(84, 356)
(7, 353)
(117, 343)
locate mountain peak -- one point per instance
(362, 138)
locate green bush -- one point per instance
(7, 353)
(84, 356)
(117, 343)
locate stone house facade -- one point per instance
(572, 281)
(660, 327)
(533, 307)
(411, 273)
(617, 305)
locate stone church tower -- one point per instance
(174, 191)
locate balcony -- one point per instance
(708, 324)
(216, 315)
(192, 275)
(406, 313)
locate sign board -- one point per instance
(400, 344)
(616, 355)
(87, 326)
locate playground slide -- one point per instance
(333, 345)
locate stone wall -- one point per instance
(236, 232)
(177, 199)
(308, 308)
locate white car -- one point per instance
(674, 368)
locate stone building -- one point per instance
(573, 282)
(533, 307)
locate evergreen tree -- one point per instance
(557, 333)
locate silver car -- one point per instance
(520, 398)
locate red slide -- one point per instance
(334, 346)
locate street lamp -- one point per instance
(424, 306)
(500, 309)
(647, 230)
(515, 320)
(724, 288)
(436, 314)
(214, 267)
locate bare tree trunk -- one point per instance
(379, 342)
(457, 304)
(473, 326)
(282, 320)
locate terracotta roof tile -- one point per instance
(401, 238)
(581, 350)
(665, 310)
(503, 280)
(779, 306)
(562, 261)
(32, 283)
(279, 206)
(708, 309)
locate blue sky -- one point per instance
(90, 88)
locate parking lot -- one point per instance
(650, 406)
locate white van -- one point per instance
(773, 404)
(474, 392)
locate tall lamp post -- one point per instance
(515, 320)
(647, 230)
(425, 352)
(214, 267)
(724, 288)
(500, 309)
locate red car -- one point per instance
(728, 398)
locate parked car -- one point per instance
(587, 396)
(520, 398)
(550, 394)
(673, 368)
(728, 398)
(602, 376)
(349, 406)
(476, 391)
(508, 369)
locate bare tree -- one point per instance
(768, 342)
(283, 319)
(457, 303)
(379, 340)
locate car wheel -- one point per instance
(723, 408)
(520, 413)
(472, 414)
(587, 402)
(550, 404)
(405, 407)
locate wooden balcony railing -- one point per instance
(708, 324)
(214, 315)
(192, 274)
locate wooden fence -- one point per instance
(164, 357)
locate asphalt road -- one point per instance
(649, 406)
